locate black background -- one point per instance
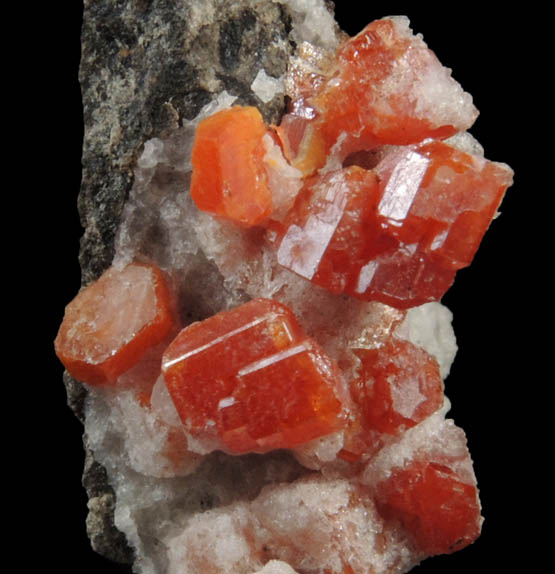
(495, 302)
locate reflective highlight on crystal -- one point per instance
(250, 379)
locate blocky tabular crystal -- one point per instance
(111, 323)
(398, 233)
(387, 88)
(438, 509)
(229, 177)
(252, 380)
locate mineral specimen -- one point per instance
(266, 392)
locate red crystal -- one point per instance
(396, 234)
(250, 379)
(229, 177)
(113, 322)
(373, 98)
(439, 510)
(398, 387)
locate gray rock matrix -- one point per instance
(146, 66)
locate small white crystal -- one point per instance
(153, 153)
(284, 180)
(430, 326)
(266, 87)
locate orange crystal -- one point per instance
(250, 380)
(376, 96)
(111, 323)
(439, 510)
(229, 177)
(398, 233)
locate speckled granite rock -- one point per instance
(146, 66)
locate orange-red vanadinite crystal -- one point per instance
(111, 323)
(370, 98)
(228, 171)
(251, 379)
(397, 233)
(438, 509)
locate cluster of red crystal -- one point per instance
(437, 508)
(394, 229)
(369, 100)
(113, 322)
(251, 380)
(398, 233)
(229, 177)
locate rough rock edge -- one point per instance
(126, 100)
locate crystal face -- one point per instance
(397, 233)
(253, 380)
(111, 323)
(294, 408)
(385, 87)
(228, 170)
(436, 506)
(399, 386)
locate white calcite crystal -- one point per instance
(266, 87)
(304, 512)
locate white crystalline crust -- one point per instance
(437, 95)
(270, 514)
(312, 525)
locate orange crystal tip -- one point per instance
(229, 177)
(112, 322)
(250, 379)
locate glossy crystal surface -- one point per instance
(229, 177)
(251, 380)
(399, 232)
(386, 87)
(440, 509)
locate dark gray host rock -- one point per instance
(146, 66)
